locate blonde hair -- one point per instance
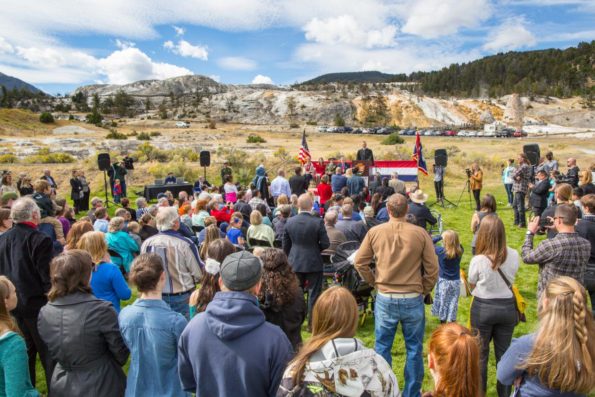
(255, 218)
(94, 243)
(563, 355)
(5, 317)
(211, 234)
(115, 224)
(133, 227)
(564, 193)
(491, 241)
(452, 246)
(334, 316)
(586, 177)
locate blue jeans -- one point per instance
(508, 187)
(388, 312)
(179, 303)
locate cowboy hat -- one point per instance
(418, 197)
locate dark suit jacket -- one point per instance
(538, 198)
(76, 189)
(365, 154)
(422, 214)
(303, 240)
(298, 184)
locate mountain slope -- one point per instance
(351, 77)
(12, 82)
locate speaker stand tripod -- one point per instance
(107, 201)
(468, 188)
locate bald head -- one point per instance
(571, 162)
(330, 218)
(397, 205)
(305, 202)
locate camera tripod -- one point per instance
(468, 188)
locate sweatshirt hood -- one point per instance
(260, 171)
(231, 315)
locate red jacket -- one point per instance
(324, 192)
(222, 215)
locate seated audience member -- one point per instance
(147, 227)
(281, 298)
(170, 179)
(42, 198)
(133, 231)
(265, 215)
(453, 360)
(559, 358)
(242, 205)
(7, 199)
(107, 281)
(151, 330)
(209, 220)
(141, 207)
(70, 216)
(217, 250)
(234, 231)
(101, 223)
(258, 230)
(335, 236)
(96, 203)
(25, 187)
(81, 333)
(5, 220)
(232, 333)
(333, 361)
(352, 229)
(120, 242)
(257, 199)
(211, 234)
(126, 205)
(13, 351)
(585, 182)
(418, 208)
(369, 219)
(385, 190)
(279, 222)
(185, 212)
(221, 212)
(281, 201)
(76, 232)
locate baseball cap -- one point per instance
(161, 195)
(240, 271)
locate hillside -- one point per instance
(11, 83)
(351, 77)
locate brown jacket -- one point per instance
(476, 180)
(402, 252)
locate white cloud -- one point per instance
(185, 49)
(260, 79)
(5, 46)
(123, 44)
(179, 30)
(215, 77)
(510, 35)
(345, 29)
(237, 63)
(435, 18)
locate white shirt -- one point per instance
(488, 282)
(280, 186)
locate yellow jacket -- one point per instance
(476, 180)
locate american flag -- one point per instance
(304, 153)
(418, 155)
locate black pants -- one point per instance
(35, 345)
(495, 319)
(439, 187)
(311, 283)
(476, 195)
(84, 202)
(518, 204)
(537, 211)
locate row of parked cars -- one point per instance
(503, 133)
(351, 130)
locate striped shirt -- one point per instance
(181, 262)
(521, 179)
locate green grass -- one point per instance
(457, 219)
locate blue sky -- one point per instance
(62, 44)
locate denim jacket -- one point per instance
(151, 331)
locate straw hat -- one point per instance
(418, 197)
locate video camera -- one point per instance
(468, 172)
(564, 179)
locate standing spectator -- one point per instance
(352, 229)
(7, 199)
(356, 183)
(230, 349)
(129, 167)
(446, 297)
(298, 183)
(242, 205)
(585, 228)
(76, 191)
(151, 330)
(180, 256)
(225, 170)
(539, 193)
(81, 333)
(116, 171)
(147, 227)
(126, 205)
(508, 180)
(47, 176)
(61, 210)
(42, 194)
(261, 182)
(365, 154)
(6, 222)
(550, 163)
(76, 233)
(309, 171)
(566, 254)
(303, 241)
(25, 187)
(418, 207)
(335, 236)
(439, 182)
(559, 358)
(117, 191)
(493, 310)
(257, 200)
(476, 180)
(13, 351)
(107, 280)
(384, 189)
(487, 208)
(96, 203)
(230, 189)
(406, 271)
(333, 350)
(586, 182)
(25, 256)
(521, 179)
(325, 191)
(280, 186)
(280, 296)
(453, 360)
(397, 184)
(338, 181)
(573, 172)
(258, 230)
(84, 202)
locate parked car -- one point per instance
(450, 133)
(348, 129)
(462, 133)
(182, 124)
(357, 131)
(472, 134)
(480, 134)
(322, 128)
(489, 134)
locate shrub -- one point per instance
(311, 122)
(8, 158)
(178, 167)
(393, 139)
(133, 133)
(155, 133)
(46, 117)
(212, 124)
(94, 118)
(143, 136)
(113, 134)
(339, 121)
(43, 157)
(294, 125)
(252, 138)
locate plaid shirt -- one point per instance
(521, 178)
(566, 254)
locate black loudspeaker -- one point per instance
(205, 158)
(103, 161)
(532, 152)
(440, 157)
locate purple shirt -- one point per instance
(65, 225)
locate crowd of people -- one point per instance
(227, 276)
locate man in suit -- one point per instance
(352, 229)
(298, 183)
(304, 239)
(538, 198)
(365, 154)
(356, 183)
(419, 209)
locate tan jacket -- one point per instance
(476, 180)
(402, 251)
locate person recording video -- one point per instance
(475, 175)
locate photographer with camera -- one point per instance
(539, 193)
(521, 179)
(573, 172)
(562, 195)
(475, 175)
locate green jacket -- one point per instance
(14, 368)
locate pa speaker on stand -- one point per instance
(205, 161)
(441, 160)
(104, 164)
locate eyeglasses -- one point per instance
(558, 217)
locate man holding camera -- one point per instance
(520, 185)
(539, 193)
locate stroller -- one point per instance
(344, 274)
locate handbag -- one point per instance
(465, 289)
(519, 301)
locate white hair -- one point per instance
(23, 209)
(166, 218)
(141, 202)
(204, 196)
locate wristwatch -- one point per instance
(529, 233)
